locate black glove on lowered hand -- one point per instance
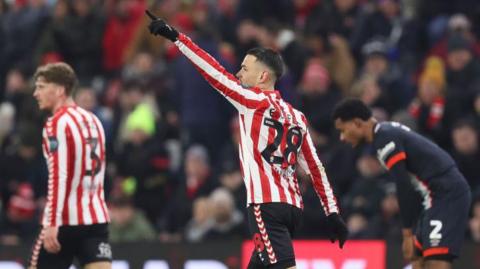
(337, 229)
(159, 27)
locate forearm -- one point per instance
(405, 195)
(318, 176)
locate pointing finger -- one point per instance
(150, 15)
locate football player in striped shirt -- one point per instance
(433, 239)
(274, 140)
(75, 218)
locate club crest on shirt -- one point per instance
(53, 143)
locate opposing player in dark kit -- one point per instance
(417, 164)
(75, 219)
(274, 139)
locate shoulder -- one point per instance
(385, 135)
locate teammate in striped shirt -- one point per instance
(419, 165)
(274, 140)
(75, 219)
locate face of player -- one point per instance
(251, 72)
(350, 131)
(47, 94)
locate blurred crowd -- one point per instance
(173, 172)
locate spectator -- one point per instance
(128, 224)
(466, 151)
(336, 16)
(428, 107)
(82, 47)
(367, 191)
(463, 79)
(201, 221)
(197, 182)
(388, 74)
(474, 223)
(200, 109)
(227, 221)
(143, 163)
(318, 97)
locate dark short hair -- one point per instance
(351, 108)
(58, 73)
(270, 58)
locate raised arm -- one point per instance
(224, 82)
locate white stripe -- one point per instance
(423, 190)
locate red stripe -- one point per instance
(70, 171)
(213, 63)
(92, 176)
(102, 159)
(417, 244)
(82, 172)
(395, 159)
(435, 251)
(255, 133)
(316, 174)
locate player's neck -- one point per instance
(266, 87)
(370, 129)
(67, 101)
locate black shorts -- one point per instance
(441, 228)
(87, 243)
(272, 226)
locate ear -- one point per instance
(358, 122)
(60, 90)
(264, 76)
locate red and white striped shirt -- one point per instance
(74, 146)
(274, 137)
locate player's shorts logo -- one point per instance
(257, 240)
(104, 251)
(53, 142)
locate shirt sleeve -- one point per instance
(391, 154)
(215, 74)
(311, 164)
(57, 154)
(406, 194)
(390, 150)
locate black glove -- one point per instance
(337, 229)
(159, 27)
